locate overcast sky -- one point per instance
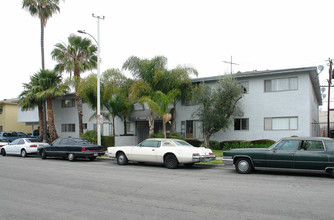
(259, 34)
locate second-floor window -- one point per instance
(282, 84)
(67, 103)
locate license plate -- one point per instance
(95, 155)
(207, 160)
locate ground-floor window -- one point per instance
(68, 128)
(241, 124)
(281, 123)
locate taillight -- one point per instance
(196, 155)
(33, 145)
(83, 149)
(211, 154)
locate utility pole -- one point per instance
(231, 64)
(329, 92)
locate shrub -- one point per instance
(262, 141)
(107, 141)
(214, 145)
(91, 136)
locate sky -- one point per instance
(258, 34)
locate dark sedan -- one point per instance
(71, 148)
(308, 153)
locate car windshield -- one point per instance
(3, 140)
(79, 141)
(182, 143)
(30, 140)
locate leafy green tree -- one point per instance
(114, 92)
(77, 56)
(43, 9)
(159, 103)
(144, 70)
(217, 105)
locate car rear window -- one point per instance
(79, 141)
(30, 140)
(182, 143)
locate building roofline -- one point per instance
(239, 75)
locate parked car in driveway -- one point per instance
(308, 153)
(170, 152)
(22, 146)
(71, 148)
(12, 135)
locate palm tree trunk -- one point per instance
(41, 122)
(52, 128)
(164, 117)
(80, 114)
(45, 133)
(113, 126)
(151, 122)
(42, 44)
(174, 117)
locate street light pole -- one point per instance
(98, 107)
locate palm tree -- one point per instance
(159, 104)
(43, 9)
(49, 86)
(177, 78)
(144, 70)
(78, 56)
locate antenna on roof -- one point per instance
(231, 64)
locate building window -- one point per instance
(245, 87)
(284, 84)
(85, 126)
(0, 128)
(68, 128)
(1, 109)
(281, 123)
(193, 129)
(67, 103)
(241, 124)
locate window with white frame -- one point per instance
(68, 128)
(281, 123)
(130, 127)
(67, 103)
(282, 84)
(241, 124)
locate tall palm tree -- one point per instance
(43, 9)
(144, 70)
(49, 86)
(77, 56)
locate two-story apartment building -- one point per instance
(276, 104)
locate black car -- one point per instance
(71, 148)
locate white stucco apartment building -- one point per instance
(276, 104)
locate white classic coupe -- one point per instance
(170, 152)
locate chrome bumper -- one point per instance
(203, 159)
(227, 160)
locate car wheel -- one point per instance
(23, 153)
(122, 159)
(3, 152)
(92, 158)
(171, 161)
(43, 154)
(244, 166)
(70, 157)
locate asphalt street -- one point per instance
(32, 188)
